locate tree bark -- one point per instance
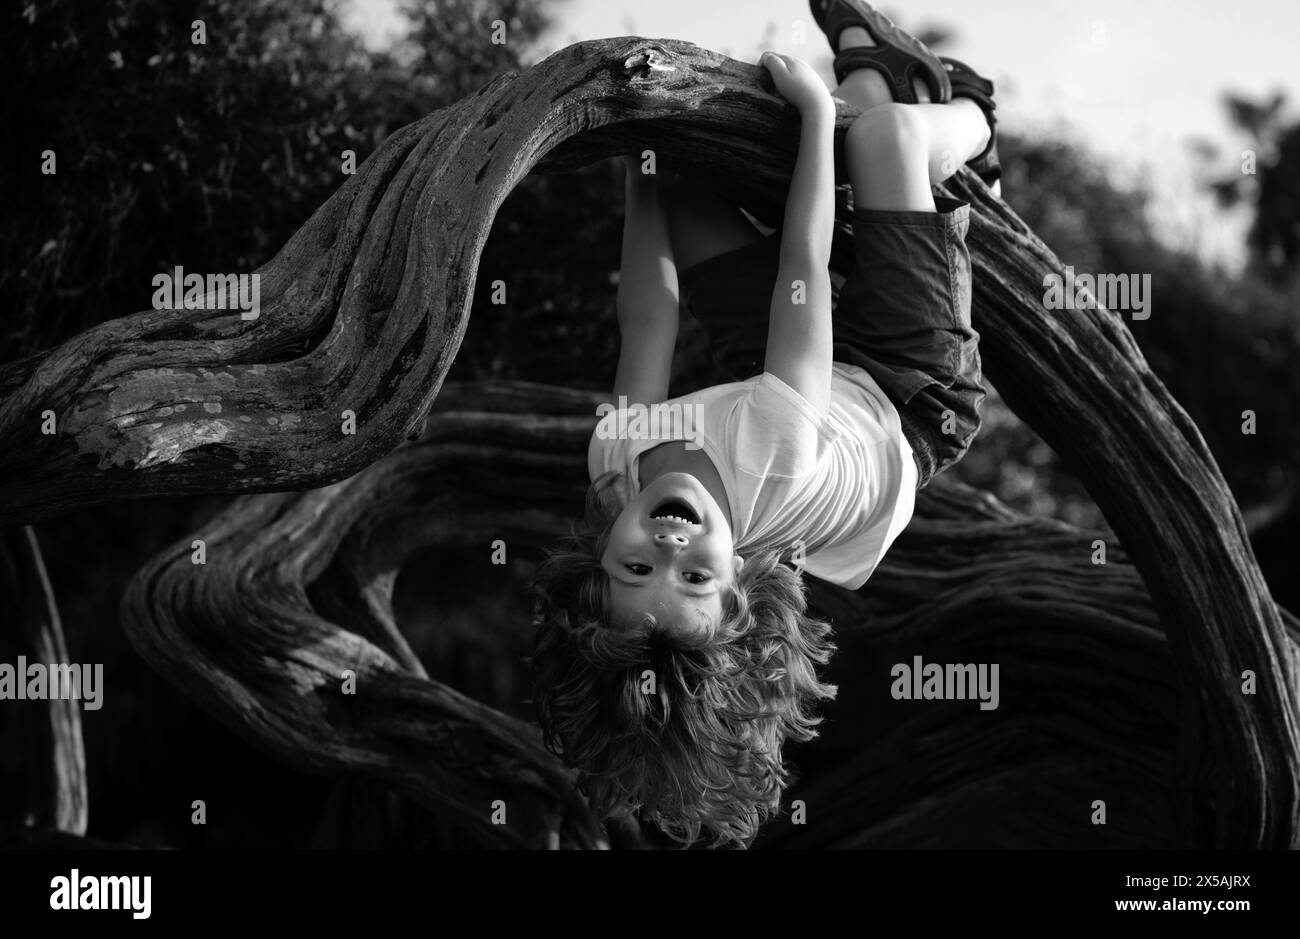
(199, 401)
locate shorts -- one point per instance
(902, 314)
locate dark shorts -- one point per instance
(902, 314)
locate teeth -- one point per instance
(672, 518)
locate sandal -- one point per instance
(966, 83)
(897, 55)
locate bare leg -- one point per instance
(954, 132)
(958, 132)
(888, 153)
(702, 224)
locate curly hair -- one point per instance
(687, 730)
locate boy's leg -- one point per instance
(702, 224)
(726, 271)
(950, 133)
(865, 87)
(904, 312)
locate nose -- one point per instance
(672, 541)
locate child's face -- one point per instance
(678, 569)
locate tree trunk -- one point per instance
(200, 401)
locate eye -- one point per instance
(693, 578)
(638, 569)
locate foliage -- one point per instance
(205, 156)
(1267, 177)
(1222, 344)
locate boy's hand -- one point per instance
(798, 83)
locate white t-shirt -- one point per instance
(843, 483)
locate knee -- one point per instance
(888, 128)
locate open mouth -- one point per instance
(674, 510)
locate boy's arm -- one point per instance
(799, 337)
(647, 294)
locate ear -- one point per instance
(737, 562)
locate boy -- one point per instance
(674, 653)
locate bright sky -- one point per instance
(1134, 79)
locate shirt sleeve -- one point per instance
(779, 432)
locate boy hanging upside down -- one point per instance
(674, 654)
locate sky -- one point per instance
(1134, 80)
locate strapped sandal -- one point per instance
(897, 55)
(966, 83)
